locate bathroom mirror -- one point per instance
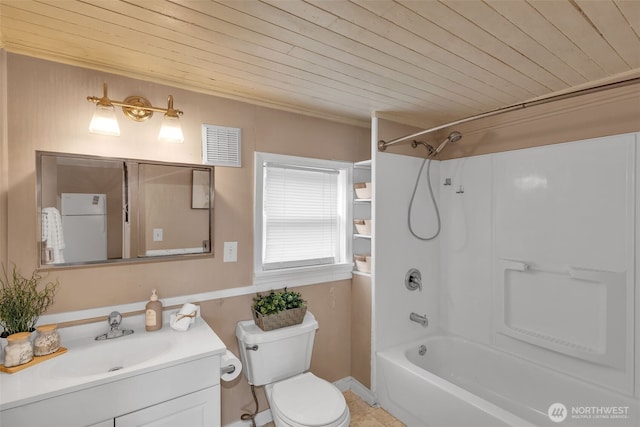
(94, 210)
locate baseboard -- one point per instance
(350, 383)
(262, 418)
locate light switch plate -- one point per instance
(230, 251)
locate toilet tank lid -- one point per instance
(249, 333)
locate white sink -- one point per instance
(152, 370)
(89, 363)
(110, 355)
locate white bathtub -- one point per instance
(459, 383)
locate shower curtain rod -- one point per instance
(382, 145)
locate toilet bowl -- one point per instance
(305, 401)
(280, 360)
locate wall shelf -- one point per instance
(361, 210)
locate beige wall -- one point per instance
(48, 111)
(4, 158)
(361, 329)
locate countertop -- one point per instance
(44, 380)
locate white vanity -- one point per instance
(161, 378)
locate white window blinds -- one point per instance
(301, 221)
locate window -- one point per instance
(302, 214)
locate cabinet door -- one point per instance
(199, 409)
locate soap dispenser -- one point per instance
(153, 313)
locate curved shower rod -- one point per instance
(382, 145)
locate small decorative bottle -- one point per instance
(18, 350)
(153, 313)
(47, 341)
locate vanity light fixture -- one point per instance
(137, 108)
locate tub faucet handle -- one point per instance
(413, 280)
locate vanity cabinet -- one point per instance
(186, 394)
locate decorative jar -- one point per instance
(18, 350)
(47, 340)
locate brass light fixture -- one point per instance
(137, 108)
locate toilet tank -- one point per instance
(278, 354)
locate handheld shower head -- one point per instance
(453, 137)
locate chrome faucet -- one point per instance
(413, 280)
(415, 317)
(115, 318)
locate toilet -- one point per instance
(279, 360)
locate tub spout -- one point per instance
(415, 317)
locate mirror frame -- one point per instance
(133, 210)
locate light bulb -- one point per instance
(104, 121)
(171, 131)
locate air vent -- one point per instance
(221, 146)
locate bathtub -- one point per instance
(459, 383)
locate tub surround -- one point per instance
(537, 264)
(464, 388)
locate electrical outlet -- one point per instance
(230, 251)
(157, 234)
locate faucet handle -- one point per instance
(114, 319)
(413, 279)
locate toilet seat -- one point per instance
(308, 401)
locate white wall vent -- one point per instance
(221, 146)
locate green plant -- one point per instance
(22, 302)
(277, 301)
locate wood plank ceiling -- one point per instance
(421, 62)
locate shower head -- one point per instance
(453, 137)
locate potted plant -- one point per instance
(278, 309)
(23, 300)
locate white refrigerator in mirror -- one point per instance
(84, 225)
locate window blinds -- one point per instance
(300, 216)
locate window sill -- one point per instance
(303, 276)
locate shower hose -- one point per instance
(426, 161)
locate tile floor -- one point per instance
(363, 415)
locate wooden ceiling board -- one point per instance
(400, 44)
(431, 20)
(416, 33)
(563, 59)
(570, 20)
(349, 51)
(614, 28)
(631, 12)
(421, 62)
